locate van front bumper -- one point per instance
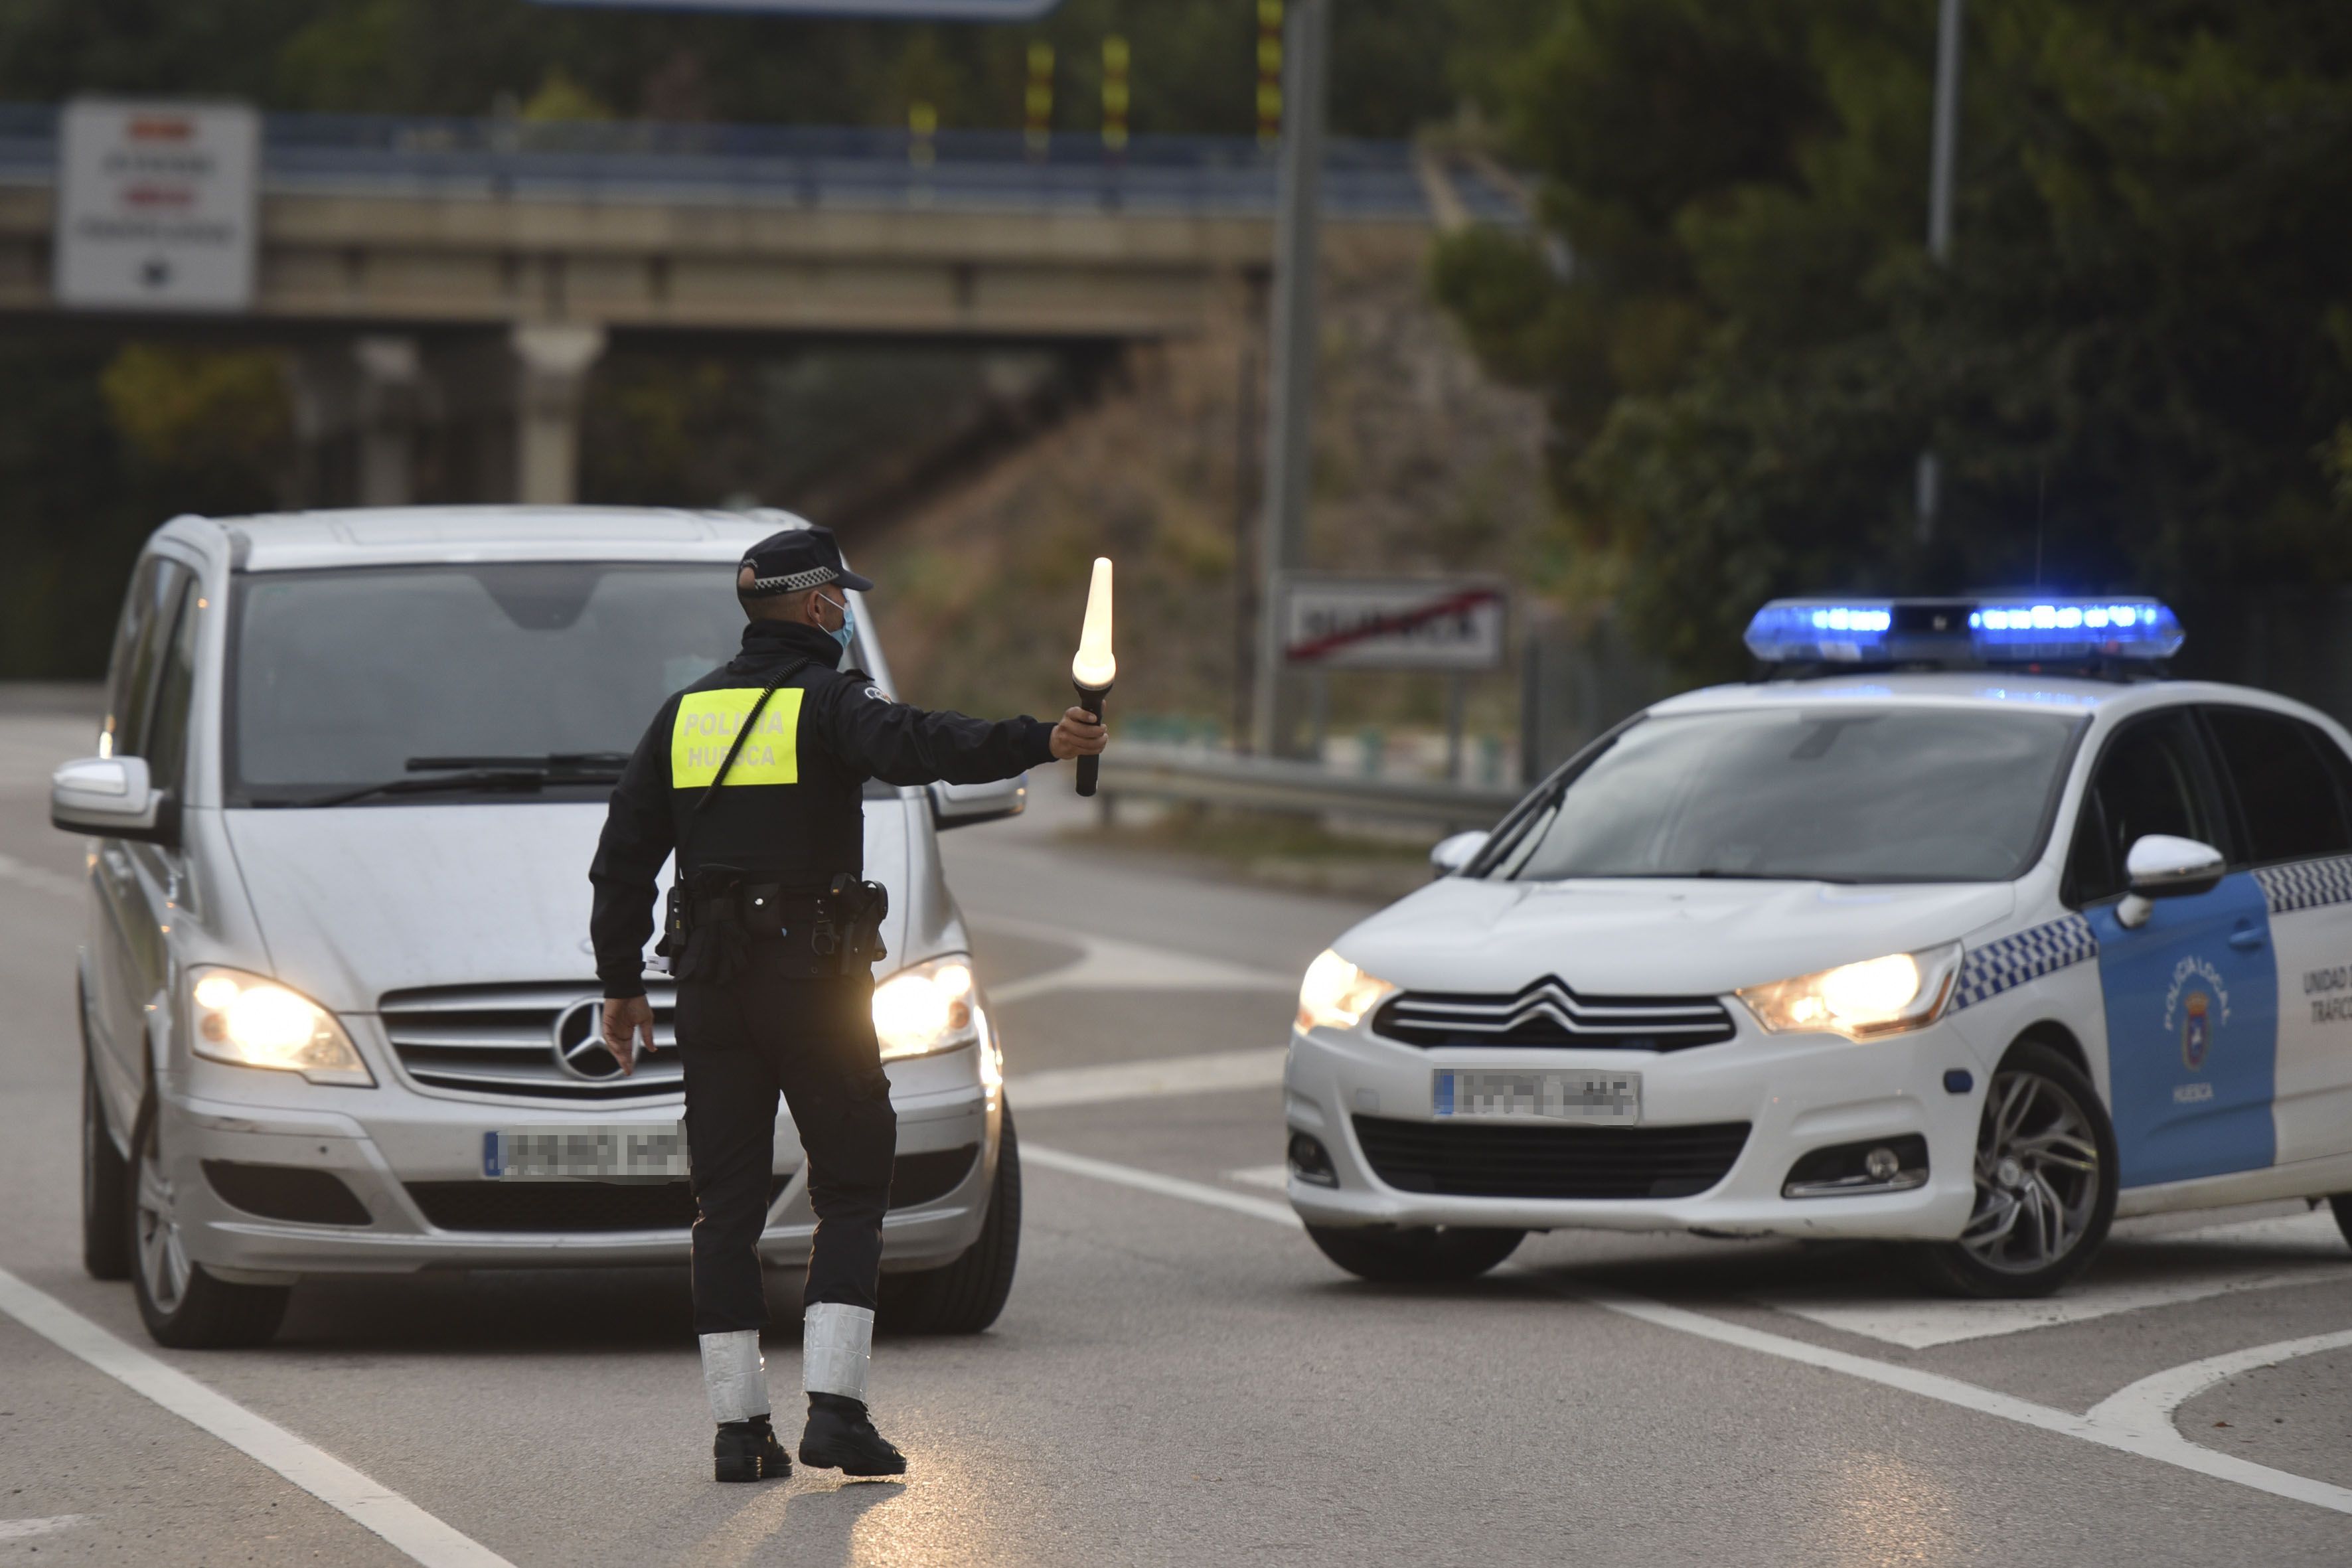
(380, 1144)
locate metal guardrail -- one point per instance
(805, 166)
(1144, 771)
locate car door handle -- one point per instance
(2245, 940)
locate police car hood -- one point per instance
(1643, 937)
(358, 900)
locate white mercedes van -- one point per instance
(338, 1006)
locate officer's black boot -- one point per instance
(840, 1437)
(747, 1451)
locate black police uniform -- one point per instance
(761, 1006)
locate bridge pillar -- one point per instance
(552, 361)
(358, 404)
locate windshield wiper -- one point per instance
(479, 779)
(544, 762)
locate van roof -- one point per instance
(294, 541)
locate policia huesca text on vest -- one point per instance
(753, 776)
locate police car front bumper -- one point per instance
(390, 1146)
(1797, 1093)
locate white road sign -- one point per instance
(156, 206)
(1393, 622)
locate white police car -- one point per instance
(1963, 929)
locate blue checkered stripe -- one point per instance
(2307, 884)
(2012, 961)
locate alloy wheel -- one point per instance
(2037, 1175)
(163, 1255)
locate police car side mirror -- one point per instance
(112, 798)
(1450, 854)
(2160, 866)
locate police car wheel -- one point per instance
(2045, 1182)
(2341, 1203)
(965, 1297)
(1428, 1255)
(184, 1306)
(105, 1188)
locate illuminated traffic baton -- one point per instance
(1092, 671)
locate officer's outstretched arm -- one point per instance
(905, 746)
(639, 835)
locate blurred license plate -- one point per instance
(558, 1154)
(1539, 1095)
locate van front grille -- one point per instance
(534, 1041)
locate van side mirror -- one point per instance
(1449, 854)
(2160, 866)
(112, 798)
(961, 805)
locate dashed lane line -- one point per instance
(2141, 1424)
(1153, 1182)
(375, 1507)
(40, 879)
(26, 1529)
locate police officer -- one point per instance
(753, 775)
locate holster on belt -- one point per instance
(720, 922)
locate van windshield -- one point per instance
(342, 680)
(1839, 793)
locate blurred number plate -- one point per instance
(557, 1153)
(1539, 1095)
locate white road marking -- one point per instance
(1106, 964)
(2130, 1435)
(1923, 1324)
(38, 878)
(370, 1504)
(1275, 1176)
(24, 1529)
(1208, 1074)
(2148, 1404)
(1153, 1182)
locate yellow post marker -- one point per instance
(1093, 668)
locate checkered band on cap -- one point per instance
(793, 581)
(2307, 884)
(2010, 961)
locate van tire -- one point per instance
(105, 1188)
(965, 1297)
(2341, 1203)
(1430, 1255)
(183, 1305)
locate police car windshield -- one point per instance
(338, 678)
(1835, 795)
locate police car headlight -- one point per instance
(1861, 1001)
(1336, 994)
(926, 1008)
(250, 1022)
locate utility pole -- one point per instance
(1939, 208)
(1288, 445)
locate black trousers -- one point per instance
(742, 1044)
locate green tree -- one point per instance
(2136, 368)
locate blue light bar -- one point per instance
(1962, 631)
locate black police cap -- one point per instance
(796, 559)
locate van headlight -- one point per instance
(1336, 994)
(926, 1008)
(1861, 1000)
(250, 1022)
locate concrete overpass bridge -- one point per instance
(471, 272)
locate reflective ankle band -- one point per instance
(734, 1375)
(837, 1343)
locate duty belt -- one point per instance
(715, 919)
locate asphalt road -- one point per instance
(1179, 1377)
